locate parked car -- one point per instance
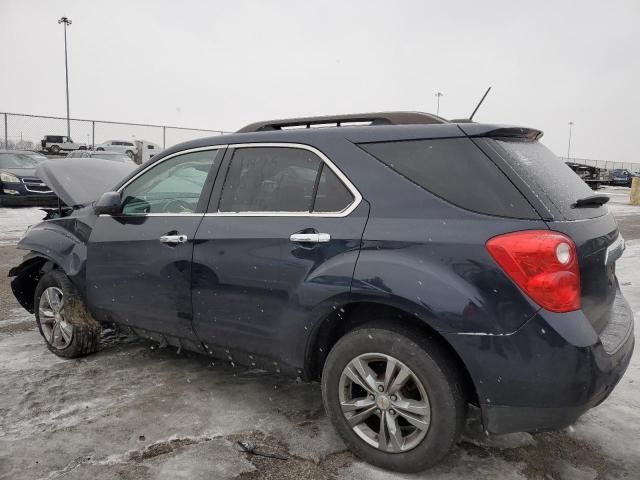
(121, 146)
(113, 156)
(413, 266)
(19, 185)
(58, 143)
(621, 177)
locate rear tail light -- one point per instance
(542, 263)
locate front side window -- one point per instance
(172, 186)
(270, 179)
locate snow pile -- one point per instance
(15, 221)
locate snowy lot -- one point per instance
(134, 411)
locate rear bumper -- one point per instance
(548, 373)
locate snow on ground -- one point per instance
(15, 221)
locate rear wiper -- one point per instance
(591, 201)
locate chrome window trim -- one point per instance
(182, 152)
(357, 197)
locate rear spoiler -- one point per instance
(499, 131)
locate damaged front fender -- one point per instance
(51, 244)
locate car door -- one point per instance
(280, 240)
(139, 261)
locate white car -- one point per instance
(121, 146)
(58, 143)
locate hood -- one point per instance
(20, 172)
(80, 181)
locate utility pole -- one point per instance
(66, 21)
(569, 145)
(438, 95)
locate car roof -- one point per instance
(355, 134)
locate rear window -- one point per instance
(457, 171)
(549, 177)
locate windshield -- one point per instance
(17, 160)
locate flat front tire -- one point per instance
(62, 317)
(396, 400)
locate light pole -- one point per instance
(569, 145)
(438, 95)
(66, 21)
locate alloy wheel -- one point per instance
(57, 331)
(384, 402)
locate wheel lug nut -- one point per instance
(393, 398)
(371, 397)
(380, 388)
(392, 412)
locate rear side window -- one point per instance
(270, 179)
(457, 171)
(549, 177)
(332, 195)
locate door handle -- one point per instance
(173, 239)
(310, 237)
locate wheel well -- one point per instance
(26, 279)
(348, 317)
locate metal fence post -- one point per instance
(93, 133)
(164, 137)
(6, 135)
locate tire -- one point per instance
(75, 331)
(54, 149)
(430, 366)
(130, 153)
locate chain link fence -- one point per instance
(25, 132)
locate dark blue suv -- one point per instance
(413, 265)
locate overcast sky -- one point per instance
(220, 65)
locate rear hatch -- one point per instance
(553, 189)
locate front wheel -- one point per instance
(54, 149)
(395, 400)
(62, 317)
(129, 153)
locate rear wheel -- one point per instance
(54, 149)
(130, 153)
(62, 318)
(395, 400)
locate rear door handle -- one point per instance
(310, 237)
(173, 239)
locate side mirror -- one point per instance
(109, 203)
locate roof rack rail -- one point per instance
(375, 118)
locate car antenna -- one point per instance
(480, 103)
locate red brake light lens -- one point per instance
(542, 263)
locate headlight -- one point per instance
(7, 177)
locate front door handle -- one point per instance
(173, 239)
(310, 237)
